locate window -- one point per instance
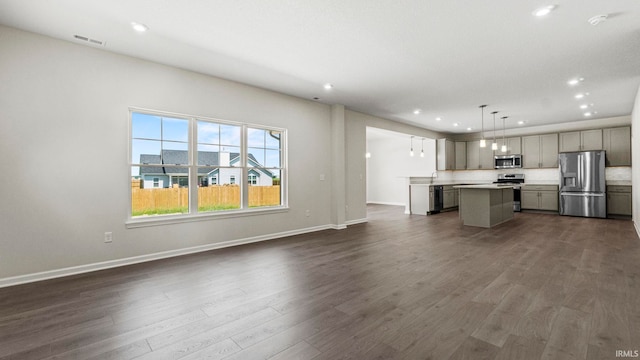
(169, 150)
(253, 179)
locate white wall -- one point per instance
(390, 165)
(64, 116)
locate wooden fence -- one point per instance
(216, 197)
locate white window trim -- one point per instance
(193, 215)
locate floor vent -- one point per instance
(90, 40)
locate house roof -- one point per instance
(180, 157)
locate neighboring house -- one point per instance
(223, 173)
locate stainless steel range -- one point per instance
(516, 180)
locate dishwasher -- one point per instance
(436, 199)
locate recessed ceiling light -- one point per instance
(469, 129)
(455, 124)
(139, 27)
(588, 114)
(438, 118)
(328, 86)
(575, 81)
(543, 11)
(521, 122)
(581, 95)
(417, 111)
(584, 106)
(597, 19)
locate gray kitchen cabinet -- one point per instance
(581, 140)
(445, 154)
(619, 200)
(617, 144)
(448, 197)
(486, 157)
(540, 151)
(539, 197)
(514, 146)
(473, 155)
(461, 155)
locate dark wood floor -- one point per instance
(399, 287)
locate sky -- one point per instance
(151, 133)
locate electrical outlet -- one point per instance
(108, 237)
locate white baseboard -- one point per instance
(356, 221)
(386, 203)
(74, 270)
(635, 225)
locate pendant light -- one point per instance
(411, 151)
(422, 151)
(494, 145)
(483, 142)
(504, 143)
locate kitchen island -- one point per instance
(485, 205)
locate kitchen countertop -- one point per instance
(619, 182)
(484, 186)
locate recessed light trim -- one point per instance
(469, 129)
(543, 11)
(575, 81)
(521, 122)
(417, 111)
(455, 124)
(587, 114)
(581, 95)
(438, 118)
(328, 86)
(597, 19)
(139, 27)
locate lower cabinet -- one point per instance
(539, 197)
(619, 200)
(450, 197)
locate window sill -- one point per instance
(179, 219)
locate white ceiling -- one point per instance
(384, 57)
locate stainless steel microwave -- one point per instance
(507, 161)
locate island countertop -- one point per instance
(484, 186)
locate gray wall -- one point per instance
(64, 139)
(635, 161)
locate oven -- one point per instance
(516, 180)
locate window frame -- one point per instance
(193, 214)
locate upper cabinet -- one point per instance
(461, 155)
(445, 154)
(540, 151)
(479, 158)
(617, 145)
(581, 140)
(514, 146)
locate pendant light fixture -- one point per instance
(494, 145)
(422, 151)
(504, 143)
(411, 151)
(483, 142)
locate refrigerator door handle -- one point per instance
(581, 194)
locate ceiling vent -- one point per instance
(90, 40)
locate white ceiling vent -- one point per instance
(90, 40)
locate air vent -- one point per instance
(89, 40)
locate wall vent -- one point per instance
(90, 40)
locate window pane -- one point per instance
(255, 137)
(272, 139)
(156, 190)
(266, 191)
(208, 155)
(257, 155)
(215, 193)
(229, 156)
(229, 135)
(145, 152)
(272, 159)
(175, 153)
(144, 126)
(208, 133)
(175, 129)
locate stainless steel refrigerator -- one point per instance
(582, 184)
